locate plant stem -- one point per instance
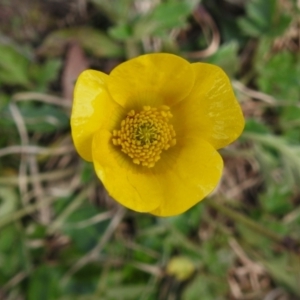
(240, 218)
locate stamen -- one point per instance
(144, 135)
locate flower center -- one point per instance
(144, 135)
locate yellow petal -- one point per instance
(187, 173)
(133, 186)
(211, 110)
(92, 105)
(151, 79)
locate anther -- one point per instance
(144, 135)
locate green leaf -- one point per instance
(44, 119)
(84, 238)
(116, 10)
(87, 172)
(45, 73)
(38, 118)
(8, 200)
(188, 221)
(164, 17)
(249, 27)
(92, 40)
(227, 58)
(10, 252)
(44, 284)
(281, 272)
(255, 126)
(4, 100)
(263, 18)
(121, 32)
(253, 238)
(286, 156)
(13, 67)
(276, 199)
(279, 76)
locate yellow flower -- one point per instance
(152, 128)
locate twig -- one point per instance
(33, 166)
(14, 281)
(262, 96)
(254, 94)
(24, 141)
(239, 218)
(37, 150)
(207, 23)
(45, 214)
(30, 208)
(29, 96)
(151, 269)
(49, 176)
(91, 221)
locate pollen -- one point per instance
(145, 134)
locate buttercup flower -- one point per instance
(152, 128)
